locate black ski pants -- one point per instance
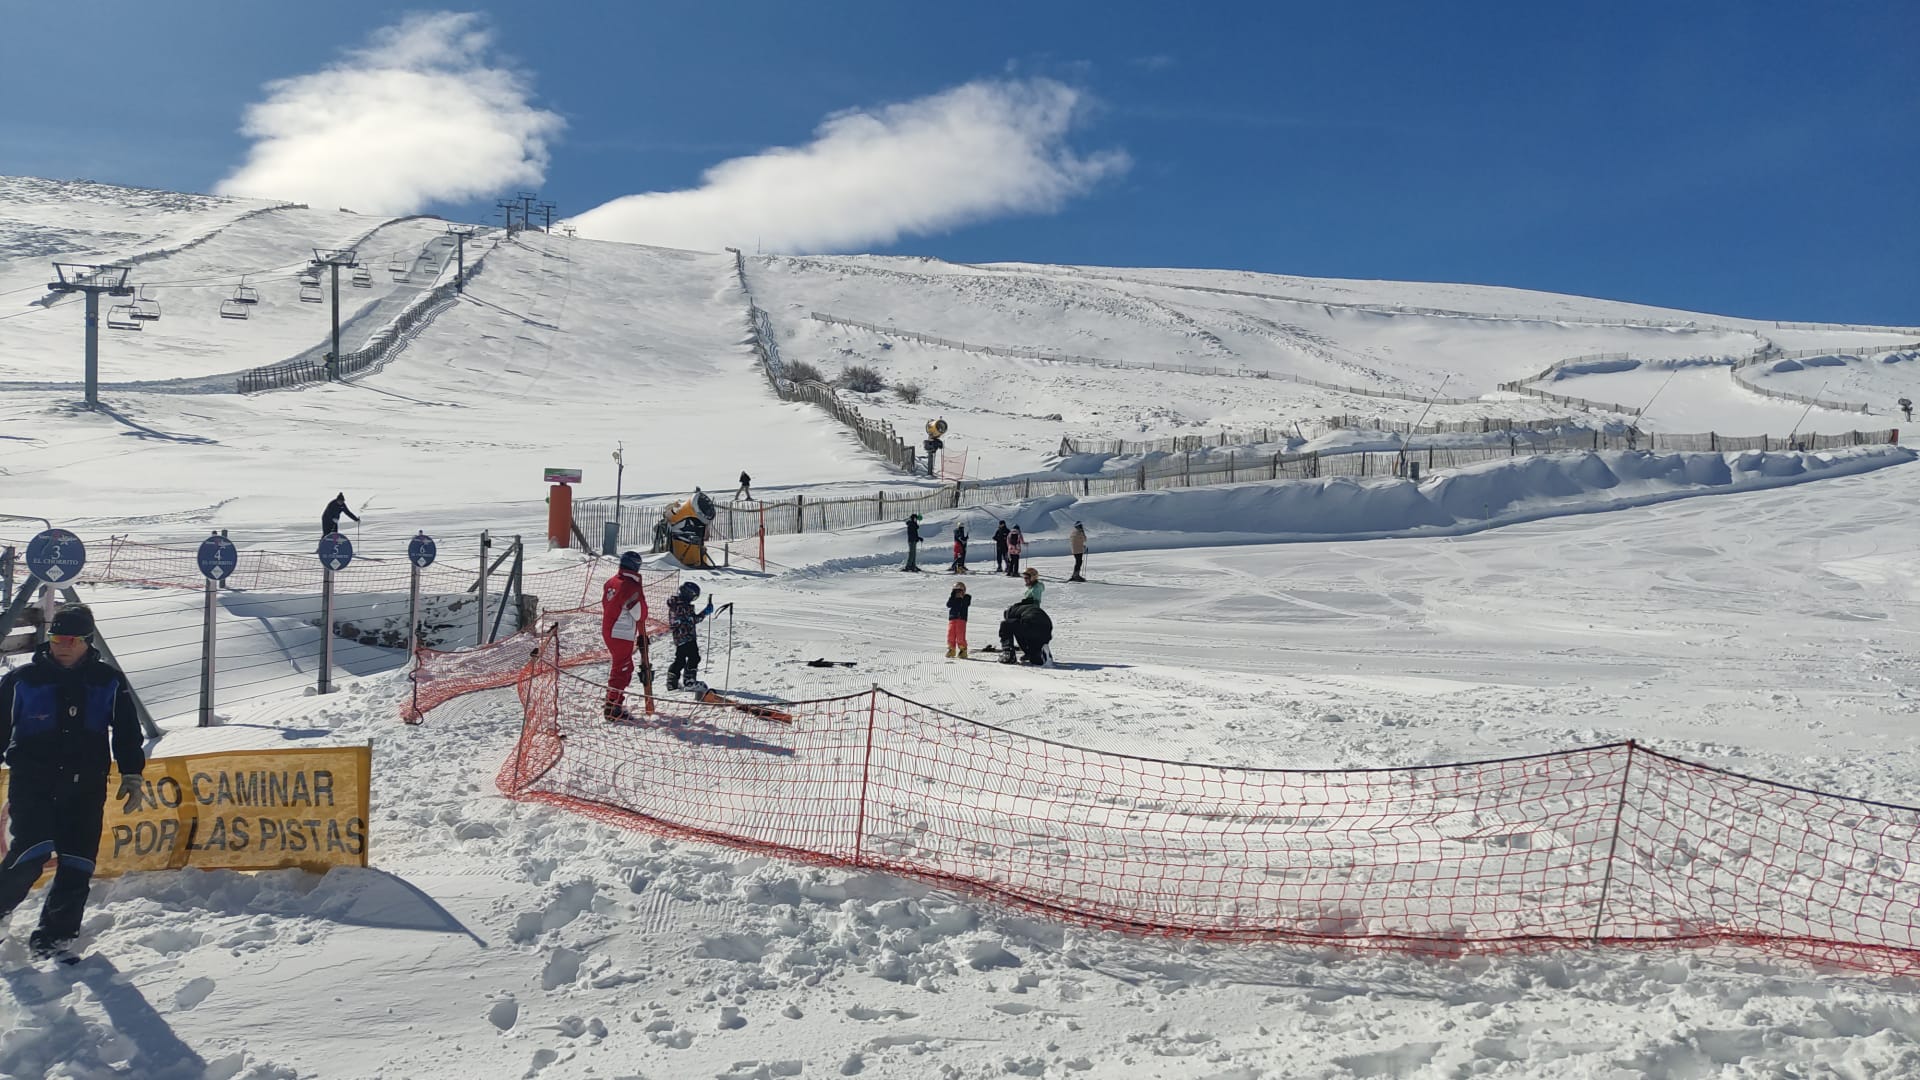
(51, 811)
(686, 663)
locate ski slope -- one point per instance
(1748, 611)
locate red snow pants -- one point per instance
(956, 633)
(621, 673)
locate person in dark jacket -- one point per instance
(959, 550)
(1000, 548)
(745, 490)
(685, 624)
(913, 544)
(62, 717)
(330, 517)
(1027, 625)
(957, 604)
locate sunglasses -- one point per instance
(66, 639)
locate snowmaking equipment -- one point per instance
(687, 524)
(935, 430)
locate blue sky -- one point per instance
(1753, 159)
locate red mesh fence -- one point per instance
(442, 675)
(1612, 844)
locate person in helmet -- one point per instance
(685, 622)
(623, 626)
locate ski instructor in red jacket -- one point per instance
(623, 624)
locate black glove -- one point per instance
(131, 788)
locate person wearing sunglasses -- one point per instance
(62, 718)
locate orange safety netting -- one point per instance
(439, 676)
(1610, 845)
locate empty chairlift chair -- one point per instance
(246, 294)
(121, 317)
(362, 278)
(400, 266)
(145, 307)
(312, 294)
(233, 308)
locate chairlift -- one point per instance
(362, 278)
(145, 307)
(311, 277)
(234, 308)
(312, 294)
(121, 317)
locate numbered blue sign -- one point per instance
(421, 551)
(217, 558)
(336, 551)
(56, 555)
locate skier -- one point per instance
(959, 549)
(684, 622)
(1000, 549)
(745, 491)
(957, 603)
(60, 717)
(623, 625)
(330, 517)
(1906, 406)
(1028, 625)
(913, 544)
(1015, 542)
(1077, 543)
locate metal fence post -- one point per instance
(207, 640)
(326, 629)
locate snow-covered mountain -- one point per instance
(1751, 616)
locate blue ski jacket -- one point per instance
(69, 719)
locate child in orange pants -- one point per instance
(957, 603)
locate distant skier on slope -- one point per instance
(1077, 543)
(685, 622)
(913, 544)
(1000, 549)
(623, 625)
(330, 517)
(1016, 543)
(959, 549)
(1906, 406)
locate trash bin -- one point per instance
(610, 538)
(1413, 471)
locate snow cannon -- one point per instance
(687, 525)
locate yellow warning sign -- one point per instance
(241, 810)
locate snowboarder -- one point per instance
(1027, 625)
(685, 622)
(957, 603)
(959, 549)
(1000, 549)
(1016, 541)
(1906, 406)
(1077, 543)
(61, 716)
(913, 544)
(745, 491)
(330, 517)
(623, 625)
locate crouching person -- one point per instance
(62, 718)
(1026, 625)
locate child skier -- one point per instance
(959, 549)
(685, 622)
(1015, 542)
(957, 603)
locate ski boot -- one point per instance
(950, 651)
(613, 711)
(1008, 656)
(963, 652)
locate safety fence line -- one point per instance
(1607, 845)
(742, 521)
(1093, 361)
(1766, 353)
(876, 435)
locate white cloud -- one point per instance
(416, 116)
(978, 151)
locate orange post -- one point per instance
(560, 516)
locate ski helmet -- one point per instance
(689, 589)
(630, 561)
